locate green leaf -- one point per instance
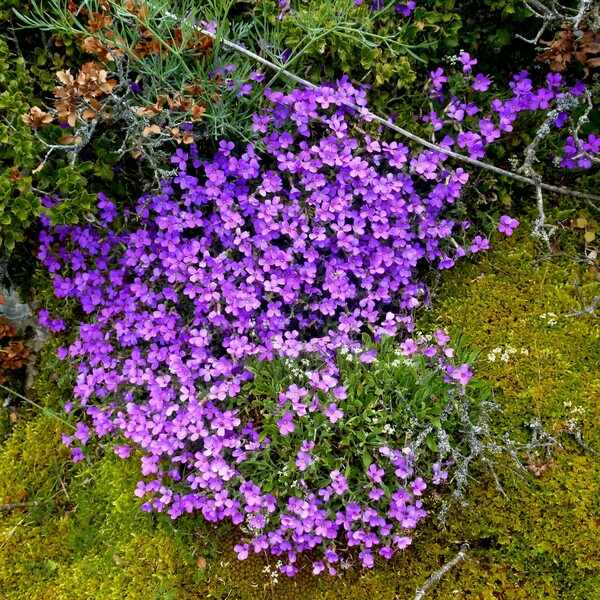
(431, 443)
(366, 458)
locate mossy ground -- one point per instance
(88, 538)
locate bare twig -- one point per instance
(589, 309)
(576, 433)
(586, 12)
(15, 505)
(437, 576)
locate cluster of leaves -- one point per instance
(567, 45)
(14, 354)
(18, 151)
(112, 116)
(322, 41)
(107, 45)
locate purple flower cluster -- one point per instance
(582, 154)
(292, 247)
(474, 134)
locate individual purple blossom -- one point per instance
(77, 455)
(418, 486)
(406, 9)
(289, 570)
(507, 225)
(466, 61)
(367, 559)
(439, 474)
(402, 542)
(285, 424)
(180, 159)
(462, 374)
(409, 347)
(438, 78)
(375, 473)
(333, 413)
(244, 90)
(303, 459)
(242, 551)
(123, 451)
(376, 494)
(318, 567)
(481, 83)
(479, 244)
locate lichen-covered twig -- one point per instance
(586, 309)
(437, 576)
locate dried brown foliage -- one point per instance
(583, 45)
(86, 95)
(14, 355)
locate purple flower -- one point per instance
(479, 244)
(123, 451)
(376, 494)
(242, 551)
(303, 460)
(466, 61)
(481, 83)
(285, 424)
(462, 374)
(406, 9)
(439, 475)
(333, 413)
(77, 454)
(402, 542)
(375, 473)
(418, 486)
(507, 225)
(289, 570)
(409, 347)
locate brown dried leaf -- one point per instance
(36, 117)
(197, 112)
(98, 22)
(14, 174)
(89, 114)
(65, 78)
(150, 129)
(150, 111)
(67, 140)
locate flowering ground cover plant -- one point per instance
(285, 254)
(294, 247)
